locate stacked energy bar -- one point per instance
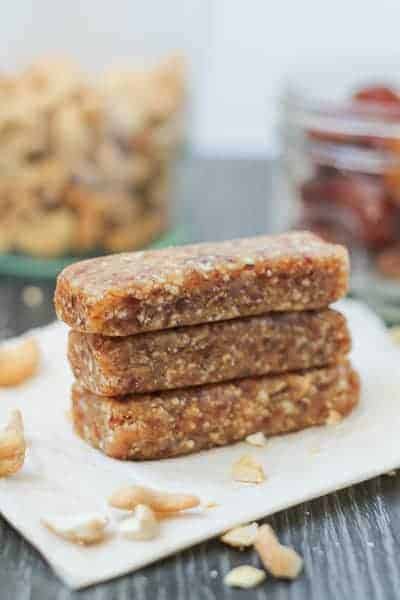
(187, 348)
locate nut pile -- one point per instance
(84, 164)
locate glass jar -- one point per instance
(341, 166)
(84, 162)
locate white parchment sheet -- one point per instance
(64, 475)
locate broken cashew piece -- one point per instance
(143, 525)
(18, 363)
(248, 470)
(257, 439)
(127, 498)
(12, 445)
(280, 561)
(244, 577)
(241, 537)
(86, 528)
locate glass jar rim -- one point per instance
(321, 100)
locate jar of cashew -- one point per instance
(85, 163)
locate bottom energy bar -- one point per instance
(166, 424)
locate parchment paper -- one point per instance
(64, 475)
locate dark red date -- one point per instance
(378, 94)
(355, 203)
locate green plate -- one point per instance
(21, 265)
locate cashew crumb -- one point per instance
(142, 525)
(18, 363)
(257, 439)
(280, 561)
(244, 577)
(85, 528)
(12, 445)
(248, 470)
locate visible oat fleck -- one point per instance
(334, 417)
(289, 408)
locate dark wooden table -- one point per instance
(349, 540)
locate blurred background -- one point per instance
(157, 123)
(238, 52)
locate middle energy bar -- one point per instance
(208, 353)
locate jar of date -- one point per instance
(341, 171)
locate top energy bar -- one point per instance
(125, 294)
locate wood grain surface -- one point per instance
(349, 540)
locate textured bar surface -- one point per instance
(135, 292)
(183, 421)
(208, 353)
